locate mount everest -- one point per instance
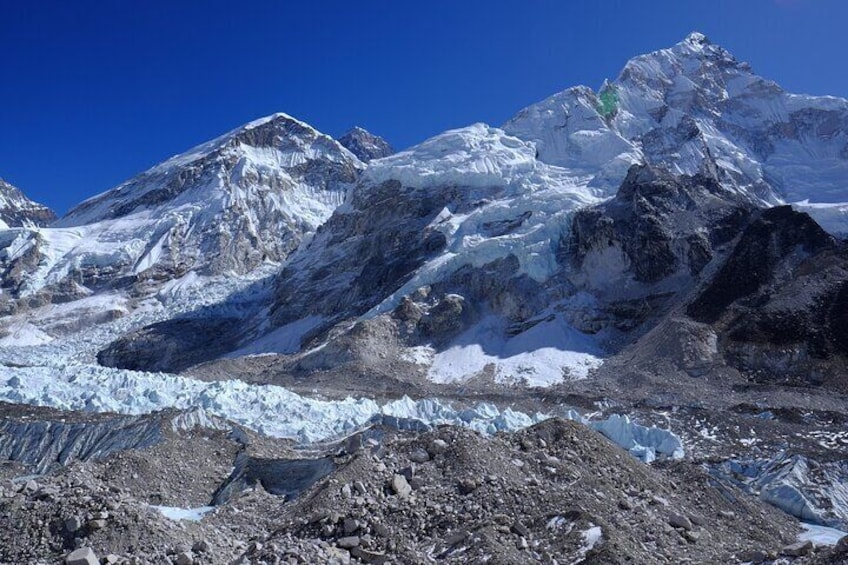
(673, 239)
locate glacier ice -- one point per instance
(178, 514)
(813, 491)
(278, 412)
(268, 409)
(646, 443)
(821, 535)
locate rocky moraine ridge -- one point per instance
(612, 330)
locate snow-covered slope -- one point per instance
(696, 99)
(277, 158)
(474, 201)
(226, 206)
(567, 130)
(17, 210)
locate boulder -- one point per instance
(401, 486)
(82, 556)
(348, 542)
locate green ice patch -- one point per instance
(608, 101)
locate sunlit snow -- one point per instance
(188, 514)
(820, 535)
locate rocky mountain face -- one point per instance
(779, 302)
(496, 225)
(365, 145)
(469, 198)
(16, 210)
(694, 108)
(530, 253)
(641, 250)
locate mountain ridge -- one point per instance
(16, 210)
(246, 198)
(485, 195)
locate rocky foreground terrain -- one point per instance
(557, 492)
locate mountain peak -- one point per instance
(278, 121)
(690, 65)
(365, 145)
(287, 141)
(275, 117)
(273, 131)
(696, 40)
(357, 130)
(227, 205)
(698, 46)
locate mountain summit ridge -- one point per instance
(229, 205)
(16, 210)
(294, 139)
(692, 106)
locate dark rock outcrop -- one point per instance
(361, 256)
(776, 237)
(662, 223)
(172, 345)
(640, 252)
(365, 145)
(282, 477)
(780, 301)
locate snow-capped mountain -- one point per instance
(227, 206)
(366, 145)
(471, 234)
(693, 108)
(16, 210)
(474, 240)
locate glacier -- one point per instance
(278, 412)
(813, 491)
(267, 409)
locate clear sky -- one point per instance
(94, 92)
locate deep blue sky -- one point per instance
(94, 92)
